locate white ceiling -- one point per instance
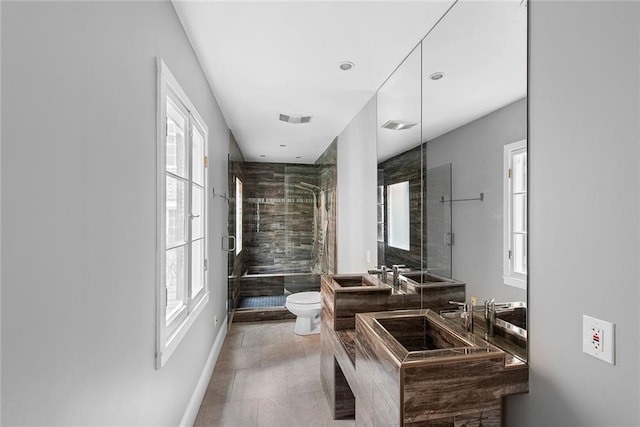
(481, 47)
(263, 58)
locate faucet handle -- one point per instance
(464, 306)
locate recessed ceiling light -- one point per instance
(346, 65)
(398, 125)
(436, 76)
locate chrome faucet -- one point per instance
(397, 269)
(466, 315)
(381, 272)
(489, 316)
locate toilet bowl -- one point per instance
(306, 306)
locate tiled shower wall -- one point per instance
(326, 165)
(278, 217)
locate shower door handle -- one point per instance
(229, 240)
(448, 238)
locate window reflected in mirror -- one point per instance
(398, 215)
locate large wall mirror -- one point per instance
(452, 149)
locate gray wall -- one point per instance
(356, 193)
(78, 218)
(475, 151)
(585, 209)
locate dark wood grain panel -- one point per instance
(262, 314)
(378, 379)
(335, 368)
(327, 180)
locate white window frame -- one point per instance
(511, 277)
(380, 213)
(168, 336)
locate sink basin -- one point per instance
(352, 281)
(516, 316)
(422, 277)
(423, 335)
(418, 333)
(512, 324)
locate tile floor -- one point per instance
(267, 376)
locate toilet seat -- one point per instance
(304, 298)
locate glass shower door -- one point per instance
(439, 236)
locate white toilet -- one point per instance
(305, 305)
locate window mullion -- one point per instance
(190, 210)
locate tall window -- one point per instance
(380, 213)
(515, 214)
(398, 215)
(182, 212)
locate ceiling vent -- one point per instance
(398, 125)
(295, 119)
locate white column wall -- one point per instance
(357, 187)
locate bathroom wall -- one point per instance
(278, 217)
(79, 215)
(357, 192)
(584, 98)
(475, 151)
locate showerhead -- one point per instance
(302, 188)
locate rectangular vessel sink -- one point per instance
(516, 316)
(422, 277)
(421, 335)
(347, 294)
(352, 281)
(511, 324)
(417, 333)
(414, 368)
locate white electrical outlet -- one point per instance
(368, 257)
(598, 338)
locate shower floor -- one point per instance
(262, 302)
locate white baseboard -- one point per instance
(190, 414)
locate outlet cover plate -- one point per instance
(598, 338)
